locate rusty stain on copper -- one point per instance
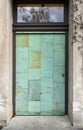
(19, 91)
(34, 59)
(22, 41)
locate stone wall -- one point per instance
(75, 90)
(76, 62)
(5, 60)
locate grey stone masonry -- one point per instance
(75, 71)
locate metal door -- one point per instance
(40, 73)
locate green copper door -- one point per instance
(40, 73)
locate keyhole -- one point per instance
(62, 75)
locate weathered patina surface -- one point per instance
(40, 74)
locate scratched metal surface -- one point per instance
(40, 74)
